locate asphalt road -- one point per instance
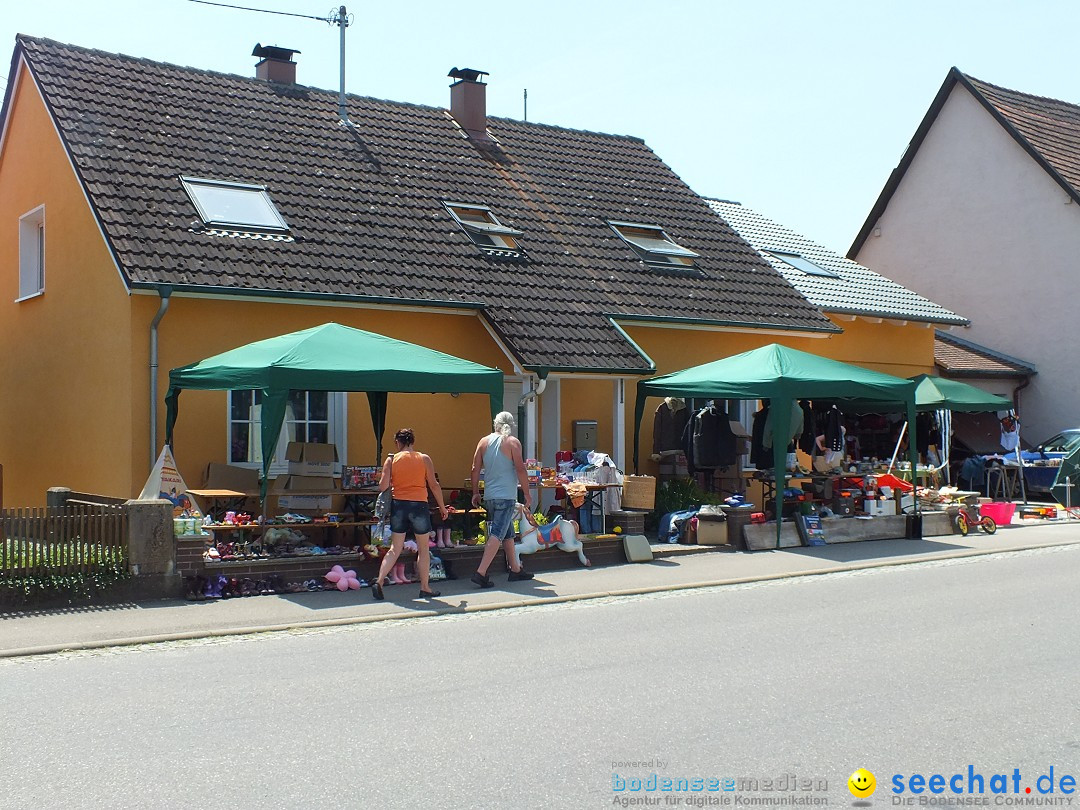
(924, 669)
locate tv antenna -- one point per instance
(339, 17)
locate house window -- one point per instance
(237, 206)
(487, 233)
(653, 246)
(32, 253)
(310, 416)
(799, 263)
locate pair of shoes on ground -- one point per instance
(483, 581)
(377, 592)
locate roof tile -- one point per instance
(364, 204)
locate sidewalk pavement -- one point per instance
(86, 627)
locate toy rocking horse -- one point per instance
(560, 533)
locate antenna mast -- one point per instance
(342, 20)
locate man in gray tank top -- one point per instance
(499, 453)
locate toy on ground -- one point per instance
(560, 533)
(344, 580)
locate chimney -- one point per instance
(276, 65)
(468, 102)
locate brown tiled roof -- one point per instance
(364, 204)
(1050, 126)
(959, 357)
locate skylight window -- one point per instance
(653, 246)
(483, 227)
(805, 265)
(236, 206)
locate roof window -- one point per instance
(653, 246)
(235, 206)
(483, 227)
(799, 263)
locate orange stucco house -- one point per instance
(153, 215)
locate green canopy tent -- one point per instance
(330, 357)
(781, 375)
(936, 394)
(940, 394)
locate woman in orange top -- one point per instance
(409, 474)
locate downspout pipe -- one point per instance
(531, 394)
(165, 292)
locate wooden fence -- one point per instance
(62, 540)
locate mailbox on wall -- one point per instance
(584, 434)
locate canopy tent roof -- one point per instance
(940, 393)
(780, 374)
(330, 357)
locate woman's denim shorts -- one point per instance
(410, 514)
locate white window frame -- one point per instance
(192, 185)
(491, 236)
(32, 254)
(336, 406)
(669, 254)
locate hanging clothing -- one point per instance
(669, 422)
(806, 438)
(709, 441)
(834, 430)
(924, 427)
(796, 426)
(759, 456)
(1010, 432)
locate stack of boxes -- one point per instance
(311, 470)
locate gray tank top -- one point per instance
(500, 478)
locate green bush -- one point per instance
(680, 494)
(107, 566)
(18, 590)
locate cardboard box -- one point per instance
(879, 508)
(311, 458)
(305, 503)
(226, 476)
(306, 483)
(712, 533)
(742, 438)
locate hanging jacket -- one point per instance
(834, 433)
(759, 457)
(714, 440)
(668, 427)
(806, 438)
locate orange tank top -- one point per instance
(408, 477)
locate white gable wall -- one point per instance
(979, 227)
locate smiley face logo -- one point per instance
(861, 783)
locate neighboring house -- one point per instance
(983, 215)
(992, 371)
(152, 215)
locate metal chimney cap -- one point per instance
(467, 74)
(274, 52)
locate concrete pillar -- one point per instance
(57, 496)
(618, 422)
(151, 544)
(550, 430)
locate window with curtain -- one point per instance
(310, 416)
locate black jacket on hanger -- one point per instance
(759, 456)
(668, 427)
(834, 434)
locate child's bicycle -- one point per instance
(965, 519)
